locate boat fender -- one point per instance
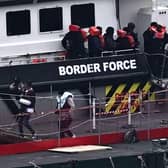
(24, 101)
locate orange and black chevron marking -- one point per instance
(117, 96)
(123, 106)
(112, 100)
(136, 102)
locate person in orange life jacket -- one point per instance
(27, 107)
(66, 105)
(124, 41)
(148, 36)
(109, 42)
(130, 31)
(130, 37)
(101, 37)
(73, 42)
(160, 41)
(84, 34)
(156, 36)
(94, 42)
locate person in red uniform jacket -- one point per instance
(66, 105)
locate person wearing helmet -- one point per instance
(27, 107)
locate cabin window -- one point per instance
(51, 19)
(83, 15)
(18, 22)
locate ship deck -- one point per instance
(150, 128)
(150, 124)
(47, 157)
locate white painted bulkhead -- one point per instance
(148, 15)
(37, 42)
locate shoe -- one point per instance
(21, 135)
(24, 137)
(34, 136)
(73, 136)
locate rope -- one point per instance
(74, 127)
(40, 97)
(44, 115)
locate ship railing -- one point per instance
(52, 57)
(158, 64)
(92, 115)
(120, 52)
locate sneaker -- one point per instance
(73, 136)
(21, 135)
(24, 137)
(34, 136)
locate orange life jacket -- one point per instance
(74, 27)
(94, 31)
